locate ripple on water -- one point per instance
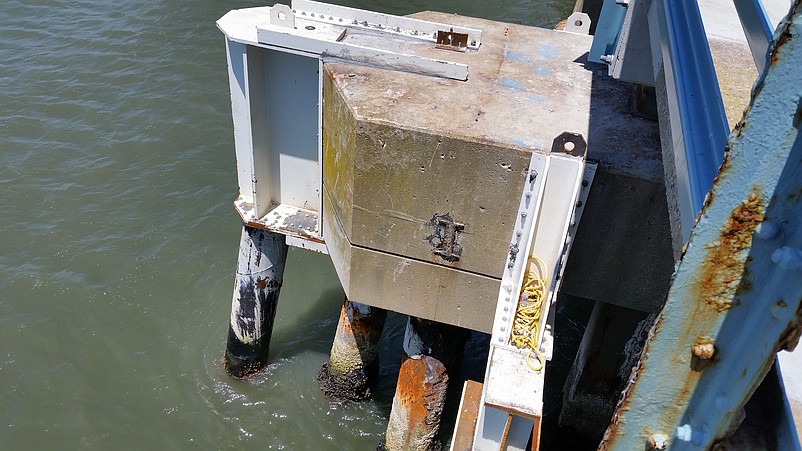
(119, 241)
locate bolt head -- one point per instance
(703, 348)
(658, 441)
(767, 230)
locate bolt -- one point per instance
(703, 348)
(585, 183)
(720, 402)
(523, 214)
(684, 432)
(767, 230)
(578, 203)
(607, 58)
(658, 441)
(697, 437)
(788, 257)
(532, 175)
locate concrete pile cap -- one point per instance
(526, 86)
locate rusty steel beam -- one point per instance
(735, 299)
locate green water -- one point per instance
(119, 240)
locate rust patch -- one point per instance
(365, 328)
(422, 383)
(261, 283)
(724, 263)
(687, 388)
(449, 40)
(789, 339)
(739, 127)
(344, 324)
(410, 390)
(784, 37)
(786, 34)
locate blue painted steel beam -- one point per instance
(736, 299)
(757, 28)
(691, 79)
(611, 18)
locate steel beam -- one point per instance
(757, 28)
(608, 30)
(695, 104)
(736, 298)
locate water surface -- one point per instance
(119, 240)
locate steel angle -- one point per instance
(699, 123)
(326, 39)
(352, 17)
(757, 28)
(520, 248)
(581, 192)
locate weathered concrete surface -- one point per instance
(346, 376)
(403, 151)
(669, 165)
(610, 348)
(622, 253)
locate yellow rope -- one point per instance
(526, 325)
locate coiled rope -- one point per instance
(526, 325)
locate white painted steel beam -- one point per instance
(414, 28)
(275, 58)
(326, 35)
(549, 213)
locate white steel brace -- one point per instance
(322, 29)
(551, 206)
